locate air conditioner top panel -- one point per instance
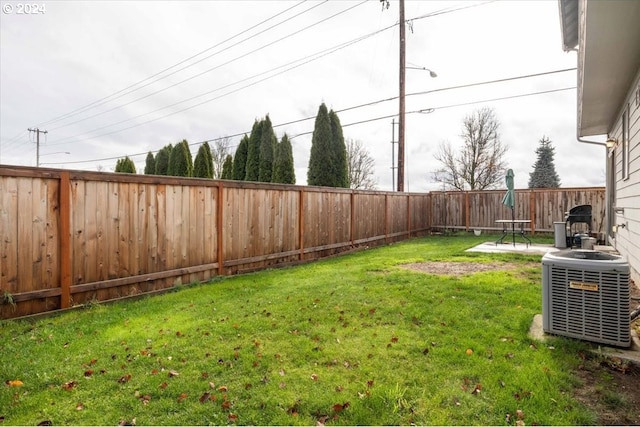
(582, 258)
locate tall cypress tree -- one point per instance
(180, 160)
(339, 165)
(203, 163)
(240, 159)
(227, 168)
(253, 153)
(319, 172)
(267, 145)
(125, 165)
(544, 173)
(150, 164)
(283, 170)
(162, 160)
(209, 157)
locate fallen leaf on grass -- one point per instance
(223, 388)
(314, 377)
(88, 373)
(521, 395)
(520, 414)
(45, 423)
(233, 417)
(124, 379)
(79, 406)
(182, 397)
(173, 373)
(339, 407)
(127, 423)
(145, 399)
(69, 385)
(394, 339)
(469, 352)
(14, 383)
(205, 396)
(477, 389)
(163, 385)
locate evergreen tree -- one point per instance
(125, 165)
(150, 164)
(227, 168)
(319, 172)
(240, 159)
(162, 160)
(253, 153)
(180, 161)
(203, 164)
(544, 173)
(339, 165)
(283, 170)
(267, 146)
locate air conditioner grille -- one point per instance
(586, 300)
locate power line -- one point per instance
(109, 98)
(422, 110)
(198, 74)
(61, 141)
(297, 62)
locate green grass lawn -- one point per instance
(351, 340)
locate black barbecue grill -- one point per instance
(580, 214)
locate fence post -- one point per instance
(353, 216)
(430, 224)
(532, 211)
(466, 211)
(220, 225)
(65, 239)
(301, 222)
(386, 218)
(408, 215)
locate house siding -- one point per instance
(627, 240)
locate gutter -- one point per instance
(589, 142)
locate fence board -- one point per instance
(9, 236)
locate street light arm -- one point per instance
(431, 72)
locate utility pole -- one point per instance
(393, 158)
(401, 123)
(38, 132)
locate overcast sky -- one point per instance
(113, 78)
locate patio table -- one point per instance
(511, 230)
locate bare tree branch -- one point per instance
(360, 164)
(479, 165)
(219, 152)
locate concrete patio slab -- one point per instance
(520, 248)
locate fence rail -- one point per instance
(70, 237)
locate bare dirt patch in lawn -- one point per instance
(452, 268)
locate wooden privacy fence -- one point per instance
(469, 210)
(71, 237)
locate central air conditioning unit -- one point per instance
(585, 295)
